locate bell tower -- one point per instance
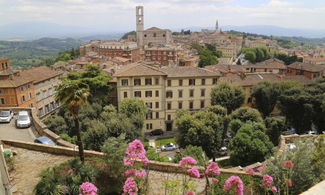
(139, 25)
(217, 25)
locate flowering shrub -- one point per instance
(267, 180)
(194, 172)
(190, 192)
(88, 189)
(135, 151)
(213, 168)
(234, 181)
(130, 186)
(250, 171)
(187, 161)
(288, 164)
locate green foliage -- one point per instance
(304, 173)
(57, 180)
(245, 114)
(207, 58)
(217, 109)
(164, 141)
(203, 129)
(194, 151)
(67, 138)
(114, 150)
(133, 106)
(250, 145)
(286, 42)
(125, 36)
(95, 79)
(318, 155)
(274, 128)
(288, 59)
(153, 155)
(36, 52)
(56, 124)
(265, 95)
(228, 96)
(257, 54)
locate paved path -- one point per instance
(9, 131)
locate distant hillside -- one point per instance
(110, 36)
(27, 53)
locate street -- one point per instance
(9, 131)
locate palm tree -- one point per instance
(73, 94)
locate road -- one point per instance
(9, 131)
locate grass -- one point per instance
(164, 141)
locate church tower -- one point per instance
(217, 25)
(139, 25)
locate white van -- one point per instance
(23, 120)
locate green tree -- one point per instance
(250, 56)
(274, 128)
(202, 129)
(265, 95)
(217, 109)
(194, 151)
(245, 114)
(56, 124)
(250, 145)
(228, 96)
(73, 94)
(153, 155)
(207, 58)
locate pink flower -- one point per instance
(267, 180)
(214, 180)
(274, 189)
(190, 192)
(213, 168)
(234, 180)
(135, 151)
(288, 182)
(130, 186)
(194, 172)
(88, 188)
(288, 164)
(187, 161)
(250, 171)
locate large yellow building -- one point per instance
(165, 90)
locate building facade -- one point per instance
(311, 71)
(165, 90)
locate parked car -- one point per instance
(45, 140)
(23, 120)
(156, 132)
(168, 147)
(6, 115)
(312, 132)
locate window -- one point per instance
(180, 93)
(38, 96)
(40, 111)
(156, 81)
(125, 94)
(157, 115)
(30, 95)
(169, 117)
(203, 82)
(31, 105)
(202, 92)
(23, 98)
(169, 83)
(191, 105)
(149, 116)
(157, 93)
(125, 82)
(180, 82)
(149, 126)
(157, 104)
(2, 101)
(191, 92)
(191, 82)
(2, 91)
(137, 94)
(137, 81)
(202, 103)
(148, 93)
(148, 81)
(214, 81)
(180, 105)
(149, 104)
(169, 105)
(22, 89)
(169, 94)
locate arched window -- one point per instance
(154, 34)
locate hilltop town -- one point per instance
(245, 101)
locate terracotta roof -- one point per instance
(253, 79)
(41, 73)
(315, 59)
(121, 59)
(307, 67)
(188, 71)
(15, 81)
(153, 28)
(225, 68)
(138, 69)
(270, 63)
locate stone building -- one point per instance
(271, 65)
(165, 90)
(45, 81)
(311, 71)
(164, 55)
(150, 36)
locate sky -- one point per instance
(119, 15)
